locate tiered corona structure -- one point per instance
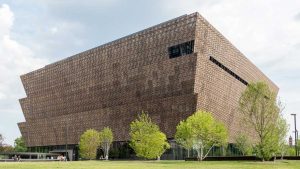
(169, 70)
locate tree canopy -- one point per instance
(146, 139)
(20, 145)
(201, 131)
(89, 142)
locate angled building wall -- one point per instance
(222, 74)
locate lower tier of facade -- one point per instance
(122, 150)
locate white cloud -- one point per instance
(297, 17)
(53, 30)
(6, 18)
(15, 59)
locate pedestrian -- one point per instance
(15, 158)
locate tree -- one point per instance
(183, 136)
(261, 112)
(298, 146)
(243, 144)
(291, 151)
(6, 148)
(203, 131)
(146, 139)
(106, 138)
(89, 142)
(282, 129)
(1, 140)
(20, 145)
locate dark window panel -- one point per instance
(212, 59)
(181, 49)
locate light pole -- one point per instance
(296, 133)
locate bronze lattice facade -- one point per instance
(169, 70)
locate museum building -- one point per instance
(169, 70)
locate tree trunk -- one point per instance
(201, 154)
(198, 154)
(106, 151)
(208, 151)
(106, 156)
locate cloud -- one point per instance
(15, 59)
(297, 17)
(6, 17)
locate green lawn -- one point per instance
(151, 165)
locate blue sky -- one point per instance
(35, 33)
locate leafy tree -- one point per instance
(6, 148)
(106, 138)
(261, 112)
(204, 132)
(291, 151)
(1, 140)
(282, 129)
(146, 138)
(89, 142)
(297, 146)
(183, 136)
(275, 140)
(20, 145)
(243, 144)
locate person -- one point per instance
(19, 158)
(62, 158)
(59, 158)
(15, 157)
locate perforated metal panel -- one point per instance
(110, 84)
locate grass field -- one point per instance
(151, 165)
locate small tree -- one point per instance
(291, 151)
(6, 148)
(203, 131)
(1, 140)
(183, 136)
(146, 139)
(282, 129)
(20, 145)
(298, 146)
(106, 138)
(243, 144)
(89, 142)
(260, 112)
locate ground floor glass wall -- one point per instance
(122, 150)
